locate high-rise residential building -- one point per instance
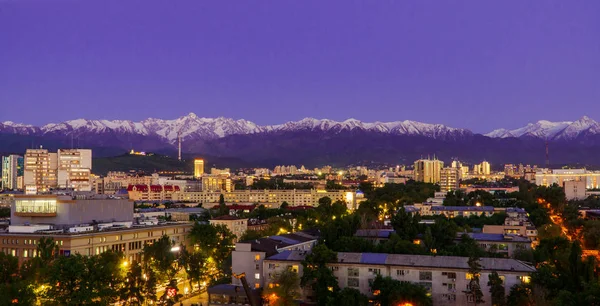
(68, 168)
(12, 169)
(482, 169)
(449, 179)
(74, 169)
(428, 170)
(198, 167)
(40, 170)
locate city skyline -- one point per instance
(492, 66)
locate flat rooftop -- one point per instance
(422, 261)
(133, 228)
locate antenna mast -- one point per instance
(179, 143)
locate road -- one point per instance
(198, 299)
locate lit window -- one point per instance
(257, 257)
(256, 275)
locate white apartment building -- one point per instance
(248, 256)
(575, 190)
(12, 170)
(445, 277)
(482, 169)
(548, 177)
(74, 169)
(273, 198)
(40, 173)
(449, 179)
(428, 170)
(68, 168)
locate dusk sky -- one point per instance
(470, 64)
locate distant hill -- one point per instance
(157, 162)
(148, 164)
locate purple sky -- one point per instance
(469, 64)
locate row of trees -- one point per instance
(107, 278)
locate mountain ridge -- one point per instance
(193, 127)
(312, 141)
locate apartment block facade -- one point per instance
(428, 170)
(446, 278)
(12, 171)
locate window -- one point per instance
(294, 268)
(353, 282)
(257, 257)
(525, 279)
(257, 266)
(375, 271)
(425, 275)
(256, 275)
(401, 272)
(335, 268)
(256, 285)
(353, 272)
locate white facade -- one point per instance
(575, 190)
(11, 166)
(445, 277)
(548, 177)
(40, 169)
(74, 169)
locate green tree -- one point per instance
(159, 257)
(406, 225)
(285, 290)
(474, 288)
(13, 289)
(351, 297)
(389, 291)
(77, 280)
(318, 276)
(194, 264)
(139, 286)
(223, 209)
(496, 289)
(520, 295)
(214, 242)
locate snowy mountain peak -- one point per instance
(563, 130)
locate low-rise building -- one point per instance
(238, 226)
(445, 277)
(505, 244)
(521, 230)
(91, 240)
(575, 190)
(248, 256)
(268, 197)
(152, 193)
(82, 225)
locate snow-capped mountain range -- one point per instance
(193, 127)
(563, 130)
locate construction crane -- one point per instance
(242, 277)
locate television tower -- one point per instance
(179, 143)
(547, 155)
